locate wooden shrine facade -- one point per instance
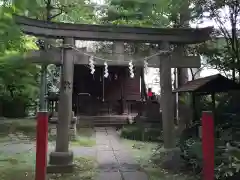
(93, 94)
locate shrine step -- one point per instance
(113, 120)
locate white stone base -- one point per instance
(73, 131)
(52, 131)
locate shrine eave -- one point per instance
(112, 32)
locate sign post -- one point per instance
(208, 145)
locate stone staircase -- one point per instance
(103, 120)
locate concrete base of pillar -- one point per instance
(60, 162)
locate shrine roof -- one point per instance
(211, 84)
(112, 32)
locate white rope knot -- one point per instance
(131, 69)
(91, 64)
(145, 66)
(106, 74)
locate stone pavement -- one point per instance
(114, 160)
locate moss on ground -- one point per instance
(85, 169)
(17, 166)
(84, 138)
(83, 141)
(21, 166)
(142, 152)
(25, 129)
(21, 129)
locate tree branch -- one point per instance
(58, 14)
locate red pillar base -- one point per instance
(208, 145)
(41, 146)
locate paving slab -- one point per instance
(112, 132)
(109, 167)
(104, 147)
(100, 129)
(100, 142)
(101, 136)
(134, 175)
(124, 157)
(110, 128)
(84, 151)
(115, 161)
(103, 133)
(106, 157)
(109, 176)
(130, 167)
(116, 146)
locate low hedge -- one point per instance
(136, 132)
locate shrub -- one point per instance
(227, 157)
(136, 132)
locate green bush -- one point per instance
(227, 156)
(13, 109)
(192, 154)
(136, 132)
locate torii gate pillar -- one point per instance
(168, 61)
(166, 99)
(62, 159)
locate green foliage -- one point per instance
(78, 11)
(18, 81)
(192, 153)
(227, 152)
(136, 13)
(136, 132)
(219, 56)
(223, 53)
(154, 13)
(70, 11)
(10, 35)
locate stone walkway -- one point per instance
(114, 160)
